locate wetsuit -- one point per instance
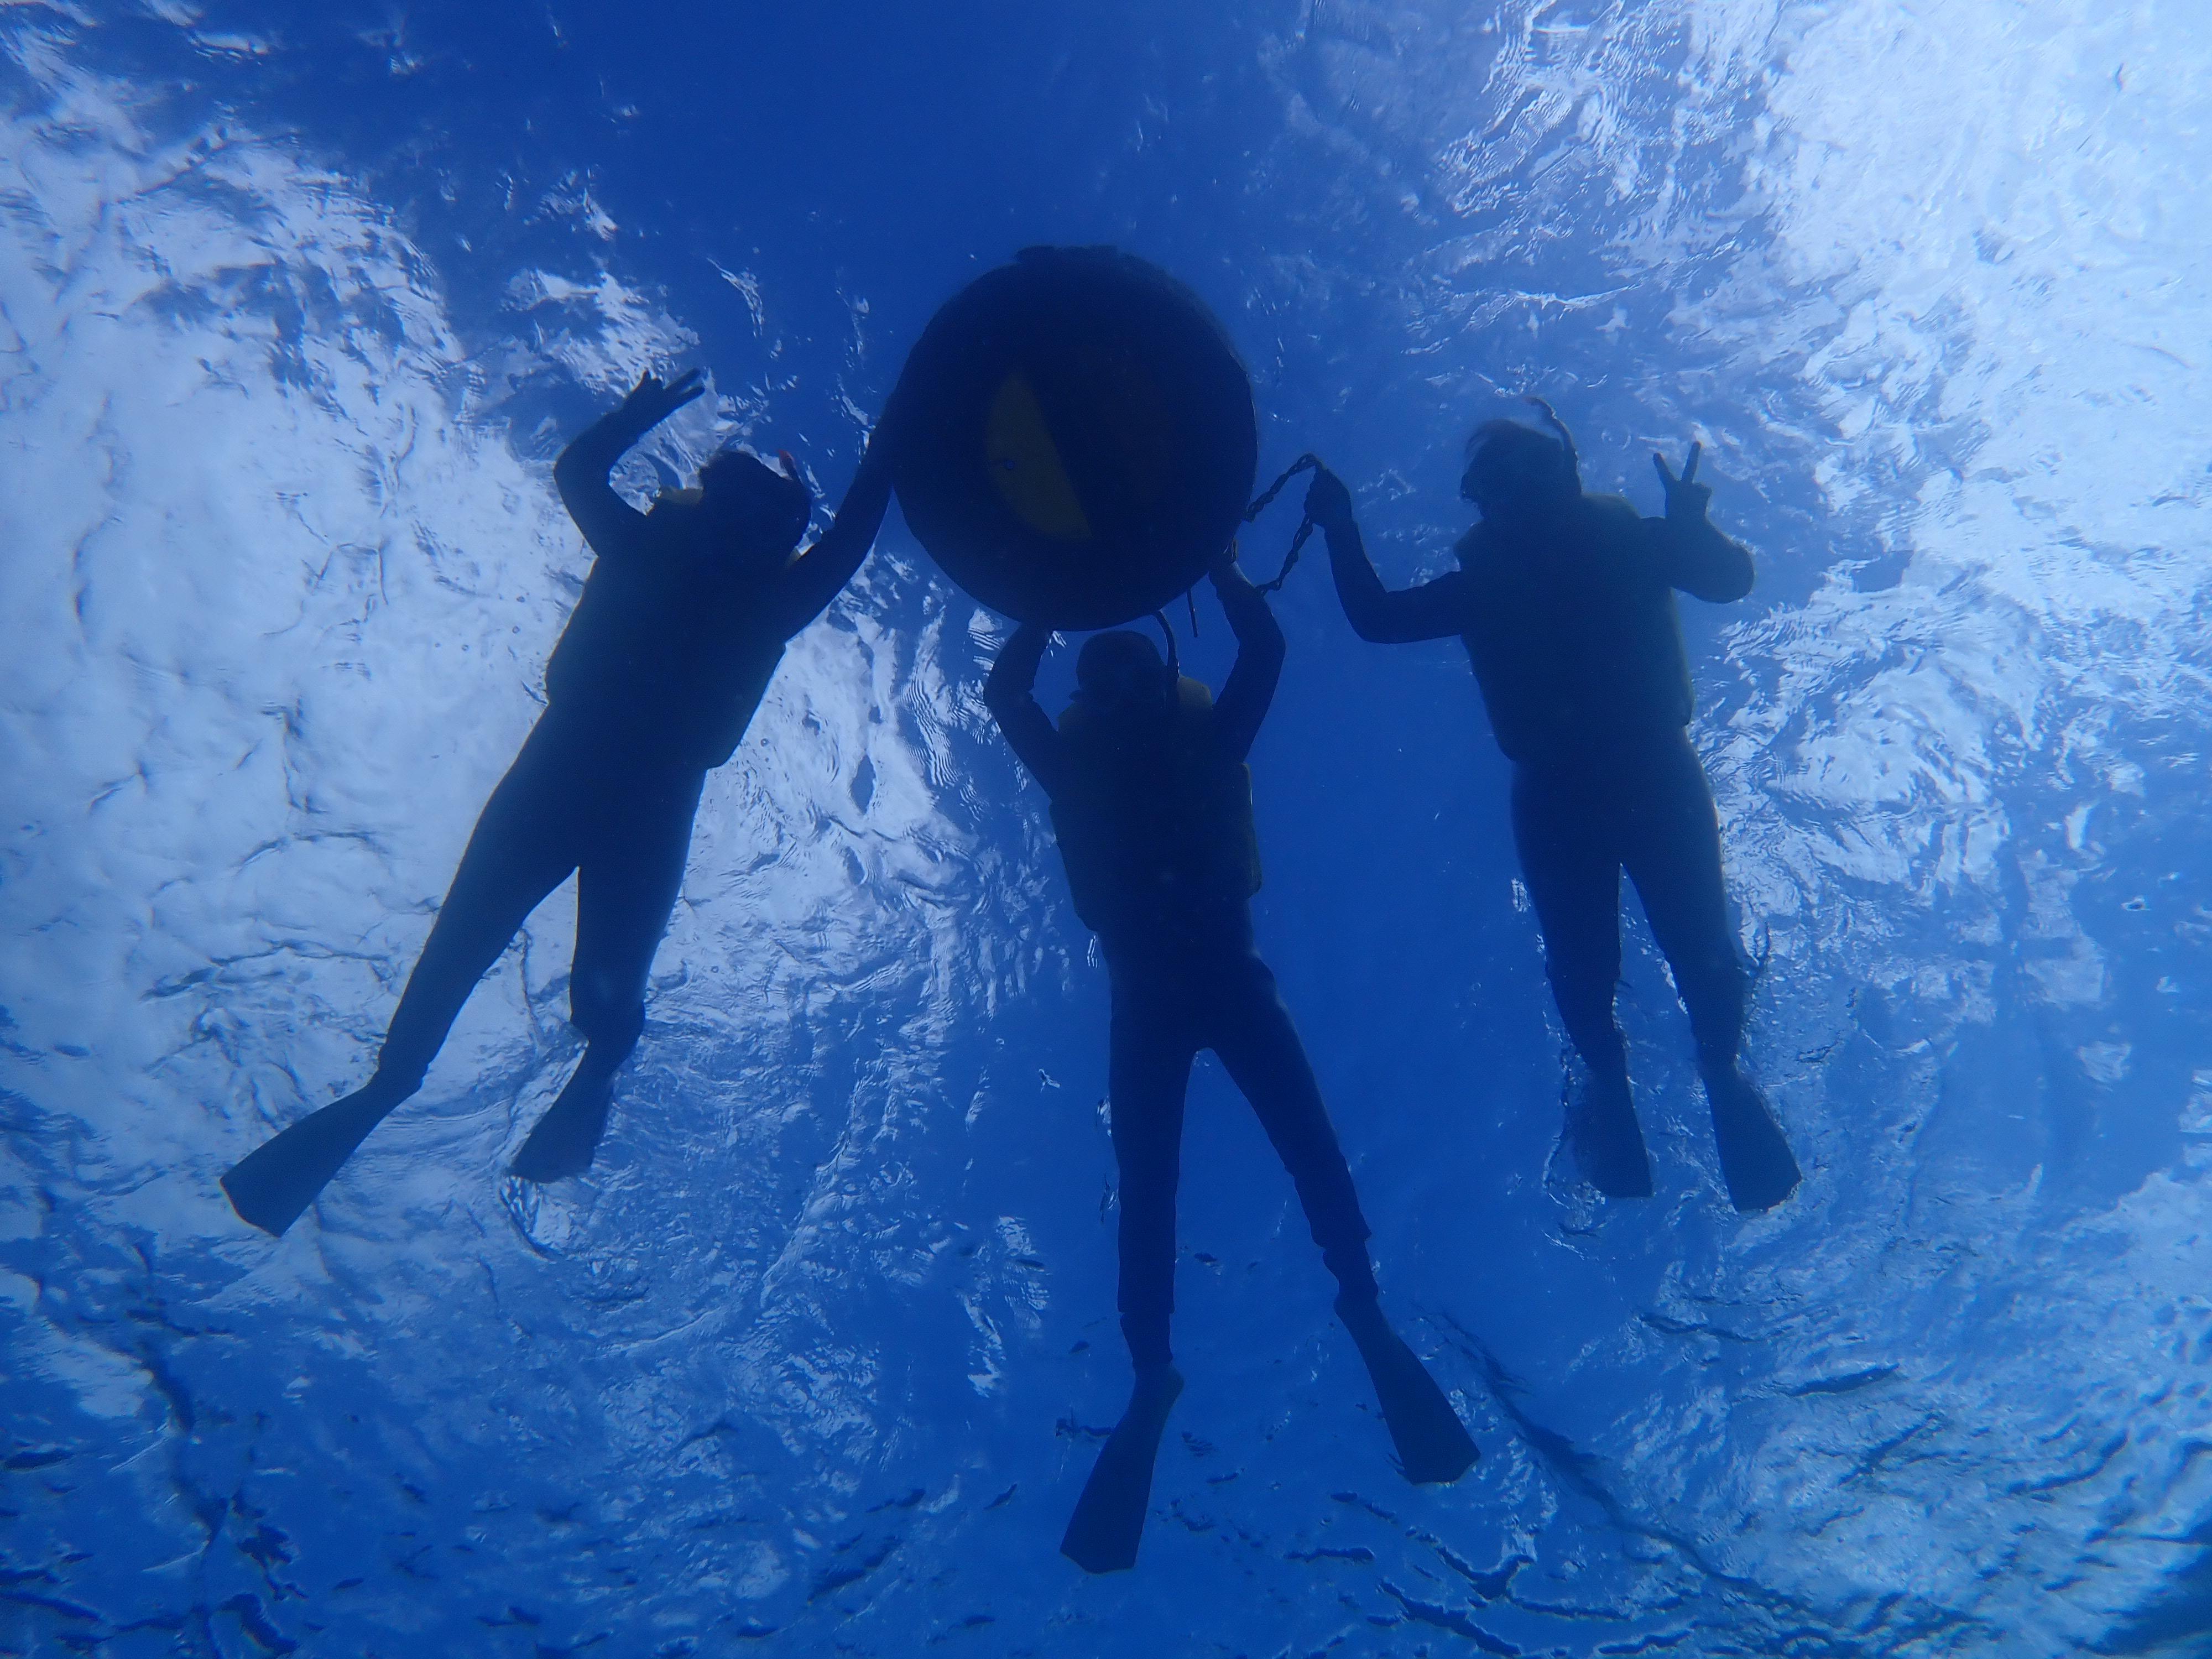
(652, 686)
(1571, 625)
(1153, 817)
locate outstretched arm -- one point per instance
(610, 523)
(819, 574)
(1250, 687)
(1693, 554)
(1010, 695)
(1434, 610)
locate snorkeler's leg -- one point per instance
(1259, 1047)
(523, 847)
(1148, 1073)
(1571, 862)
(1671, 845)
(526, 843)
(633, 868)
(1672, 848)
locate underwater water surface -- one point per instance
(298, 304)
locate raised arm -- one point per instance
(1251, 684)
(610, 523)
(1434, 610)
(1010, 695)
(819, 574)
(1695, 556)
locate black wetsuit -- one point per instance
(1160, 857)
(652, 686)
(1571, 628)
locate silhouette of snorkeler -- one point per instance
(1151, 802)
(1566, 604)
(652, 686)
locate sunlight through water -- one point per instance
(294, 314)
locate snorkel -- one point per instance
(1566, 440)
(1173, 682)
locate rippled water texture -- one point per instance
(294, 315)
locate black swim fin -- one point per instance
(1433, 1445)
(568, 1136)
(1755, 1158)
(1607, 1140)
(1109, 1517)
(271, 1186)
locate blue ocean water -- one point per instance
(297, 305)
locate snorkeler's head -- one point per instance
(766, 509)
(1120, 670)
(1513, 470)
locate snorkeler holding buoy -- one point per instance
(1083, 446)
(681, 625)
(1151, 802)
(1565, 601)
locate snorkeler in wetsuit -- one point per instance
(1566, 604)
(1151, 802)
(652, 686)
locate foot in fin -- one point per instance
(272, 1186)
(567, 1138)
(1109, 1517)
(1607, 1143)
(1432, 1444)
(1755, 1158)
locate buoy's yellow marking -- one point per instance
(1024, 463)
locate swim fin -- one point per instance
(271, 1186)
(1755, 1158)
(568, 1136)
(1432, 1444)
(1606, 1140)
(1109, 1517)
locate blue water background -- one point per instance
(297, 305)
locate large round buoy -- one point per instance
(1080, 438)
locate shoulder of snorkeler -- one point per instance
(1613, 521)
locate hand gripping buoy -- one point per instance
(1081, 439)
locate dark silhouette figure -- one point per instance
(1151, 802)
(1566, 604)
(652, 686)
